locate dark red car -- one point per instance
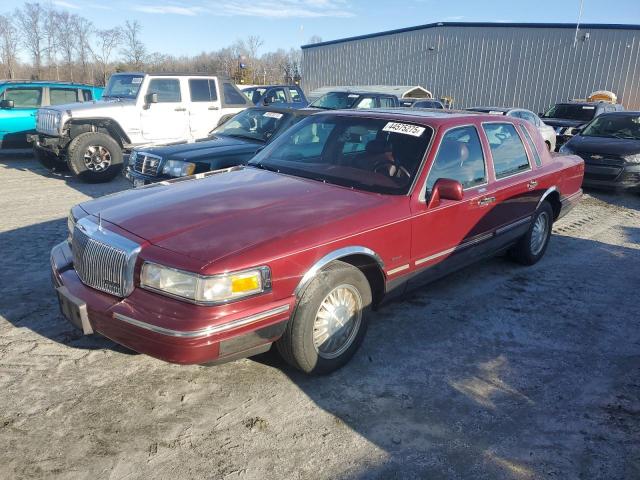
(339, 213)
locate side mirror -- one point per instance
(150, 98)
(445, 189)
(7, 104)
(576, 130)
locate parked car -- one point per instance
(564, 117)
(339, 100)
(290, 96)
(341, 211)
(136, 109)
(548, 133)
(428, 104)
(610, 148)
(233, 143)
(20, 100)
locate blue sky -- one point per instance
(189, 27)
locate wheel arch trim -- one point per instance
(548, 192)
(332, 256)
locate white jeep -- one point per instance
(135, 109)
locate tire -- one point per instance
(532, 246)
(335, 283)
(50, 160)
(95, 157)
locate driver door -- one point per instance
(167, 119)
(445, 236)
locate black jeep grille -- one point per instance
(147, 164)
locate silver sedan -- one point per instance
(547, 132)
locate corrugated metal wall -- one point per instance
(492, 66)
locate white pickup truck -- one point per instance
(136, 109)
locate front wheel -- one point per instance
(330, 321)
(532, 246)
(95, 157)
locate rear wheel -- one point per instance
(330, 321)
(49, 160)
(95, 157)
(532, 246)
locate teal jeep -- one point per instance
(19, 101)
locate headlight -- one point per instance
(205, 289)
(132, 158)
(57, 119)
(565, 149)
(633, 158)
(177, 168)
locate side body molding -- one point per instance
(336, 255)
(548, 192)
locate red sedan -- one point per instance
(341, 212)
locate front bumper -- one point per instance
(139, 179)
(149, 323)
(45, 142)
(612, 176)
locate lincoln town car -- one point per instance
(342, 211)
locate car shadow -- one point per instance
(23, 160)
(621, 198)
(496, 371)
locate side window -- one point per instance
(295, 95)
(60, 96)
(24, 97)
(232, 96)
(366, 102)
(277, 95)
(460, 158)
(202, 90)
(507, 150)
(532, 146)
(86, 95)
(387, 102)
(528, 116)
(168, 89)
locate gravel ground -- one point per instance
(498, 371)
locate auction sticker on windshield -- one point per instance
(404, 128)
(273, 115)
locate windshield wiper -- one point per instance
(247, 137)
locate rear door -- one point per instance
(62, 95)
(204, 106)
(167, 119)
(17, 122)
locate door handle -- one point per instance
(532, 184)
(213, 108)
(486, 201)
(180, 109)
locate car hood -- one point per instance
(95, 107)
(618, 147)
(559, 122)
(224, 214)
(209, 148)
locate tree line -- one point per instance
(65, 46)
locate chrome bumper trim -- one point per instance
(207, 331)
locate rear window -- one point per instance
(60, 96)
(203, 90)
(507, 150)
(568, 111)
(233, 96)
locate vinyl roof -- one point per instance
(590, 26)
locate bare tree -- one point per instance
(67, 40)
(314, 39)
(31, 19)
(51, 39)
(106, 42)
(84, 30)
(9, 41)
(134, 51)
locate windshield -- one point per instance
(614, 126)
(253, 124)
(368, 154)
(568, 111)
(336, 100)
(123, 86)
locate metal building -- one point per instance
(529, 65)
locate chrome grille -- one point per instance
(46, 122)
(147, 164)
(103, 260)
